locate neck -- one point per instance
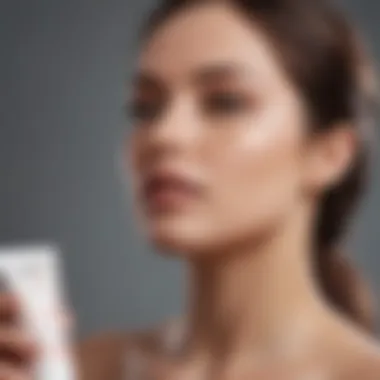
(257, 297)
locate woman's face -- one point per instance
(217, 146)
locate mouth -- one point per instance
(165, 191)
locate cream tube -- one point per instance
(33, 274)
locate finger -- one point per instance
(16, 343)
(11, 373)
(9, 307)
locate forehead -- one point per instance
(207, 35)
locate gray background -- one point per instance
(62, 74)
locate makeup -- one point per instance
(34, 275)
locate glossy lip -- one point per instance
(167, 189)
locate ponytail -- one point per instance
(345, 289)
(340, 281)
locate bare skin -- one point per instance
(346, 355)
(213, 104)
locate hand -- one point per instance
(18, 351)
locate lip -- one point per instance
(168, 189)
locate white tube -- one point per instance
(33, 274)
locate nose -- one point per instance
(176, 130)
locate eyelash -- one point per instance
(227, 103)
(144, 111)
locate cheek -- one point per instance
(257, 175)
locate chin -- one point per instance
(179, 238)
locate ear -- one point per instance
(329, 156)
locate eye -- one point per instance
(226, 103)
(142, 111)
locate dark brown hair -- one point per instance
(322, 55)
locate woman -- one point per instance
(248, 155)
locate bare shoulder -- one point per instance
(366, 365)
(99, 356)
(362, 359)
(105, 355)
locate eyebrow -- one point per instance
(147, 79)
(218, 71)
(209, 73)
